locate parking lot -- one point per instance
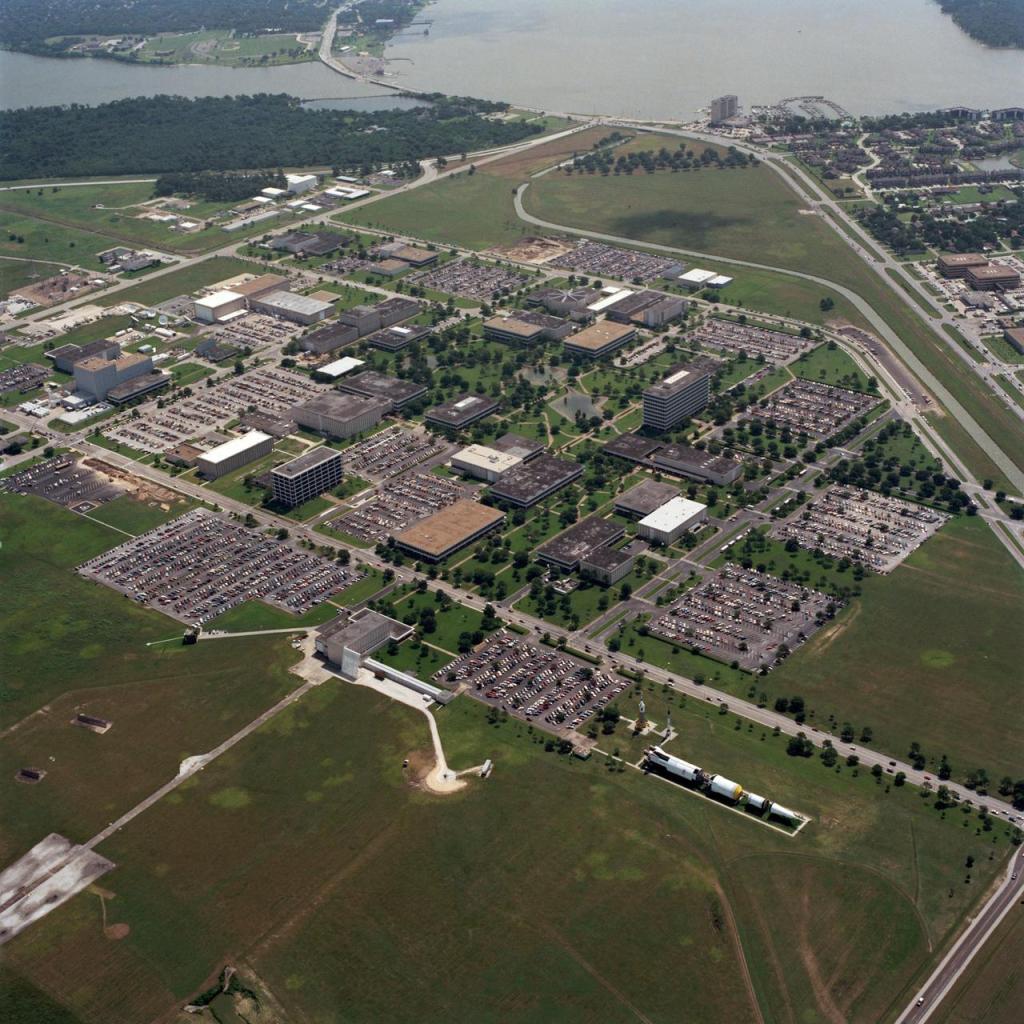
(270, 390)
(602, 260)
(391, 451)
(64, 481)
(869, 528)
(536, 684)
(817, 410)
(775, 346)
(256, 330)
(743, 616)
(26, 377)
(471, 280)
(198, 566)
(398, 505)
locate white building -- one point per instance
(299, 183)
(484, 463)
(234, 453)
(665, 525)
(211, 309)
(340, 367)
(696, 278)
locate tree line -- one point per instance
(165, 134)
(218, 187)
(605, 161)
(995, 22)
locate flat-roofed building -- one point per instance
(608, 565)
(677, 459)
(393, 390)
(600, 339)
(397, 337)
(211, 309)
(665, 525)
(533, 481)
(138, 387)
(262, 285)
(565, 302)
(696, 278)
(956, 264)
(516, 444)
(1015, 336)
(306, 477)
(684, 391)
(299, 183)
(65, 357)
(646, 496)
(647, 308)
(339, 415)
(352, 636)
(184, 454)
(483, 463)
(390, 268)
(566, 549)
(414, 255)
(524, 327)
(338, 368)
(723, 108)
(300, 309)
(329, 338)
(445, 532)
(234, 454)
(96, 375)
(460, 413)
(993, 277)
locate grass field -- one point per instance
(253, 615)
(26, 238)
(180, 282)
(218, 46)
(15, 274)
(365, 869)
(132, 516)
(925, 656)
(830, 366)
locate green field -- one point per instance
(925, 656)
(255, 615)
(362, 868)
(830, 366)
(15, 274)
(133, 516)
(26, 238)
(181, 282)
(219, 46)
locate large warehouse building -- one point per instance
(665, 525)
(306, 477)
(445, 532)
(300, 309)
(234, 454)
(212, 309)
(682, 393)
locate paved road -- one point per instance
(1006, 899)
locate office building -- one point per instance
(685, 391)
(65, 357)
(483, 463)
(580, 540)
(643, 498)
(97, 375)
(665, 525)
(338, 415)
(462, 412)
(723, 108)
(677, 459)
(525, 327)
(445, 532)
(299, 309)
(991, 278)
(533, 481)
(328, 339)
(956, 264)
(234, 454)
(306, 477)
(393, 390)
(600, 339)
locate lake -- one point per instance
(667, 58)
(42, 81)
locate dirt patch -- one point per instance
(58, 288)
(828, 636)
(142, 490)
(532, 250)
(115, 932)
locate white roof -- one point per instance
(677, 376)
(312, 207)
(697, 276)
(295, 303)
(262, 199)
(481, 456)
(274, 191)
(298, 178)
(673, 514)
(719, 281)
(466, 403)
(235, 446)
(220, 298)
(617, 295)
(340, 366)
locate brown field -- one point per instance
(520, 166)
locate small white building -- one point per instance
(299, 183)
(274, 193)
(484, 463)
(719, 281)
(211, 309)
(339, 367)
(696, 279)
(666, 524)
(233, 454)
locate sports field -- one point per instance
(465, 908)
(926, 655)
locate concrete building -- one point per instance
(299, 309)
(1015, 336)
(299, 183)
(957, 264)
(397, 337)
(462, 412)
(724, 107)
(525, 327)
(565, 302)
(211, 309)
(696, 278)
(643, 498)
(138, 387)
(392, 390)
(328, 339)
(338, 368)
(352, 636)
(445, 532)
(95, 376)
(993, 277)
(516, 444)
(609, 565)
(262, 285)
(667, 524)
(685, 391)
(338, 415)
(647, 309)
(483, 463)
(306, 477)
(533, 481)
(234, 454)
(600, 339)
(566, 549)
(65, 357)
(677, 459)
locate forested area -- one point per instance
(163, 134)
(606, 161)
(218, 186)
(26, 24)
(995, 22)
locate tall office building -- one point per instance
(723, 108)
(683, 392)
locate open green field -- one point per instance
(474, 211)
(219, 46)
(27, 238)
(830, 366)
(15, 274)
(992, 987)
(925, 656)
(450, 624)
(1002, 349)
(181, 282)
(364, 868)
(132, 516)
